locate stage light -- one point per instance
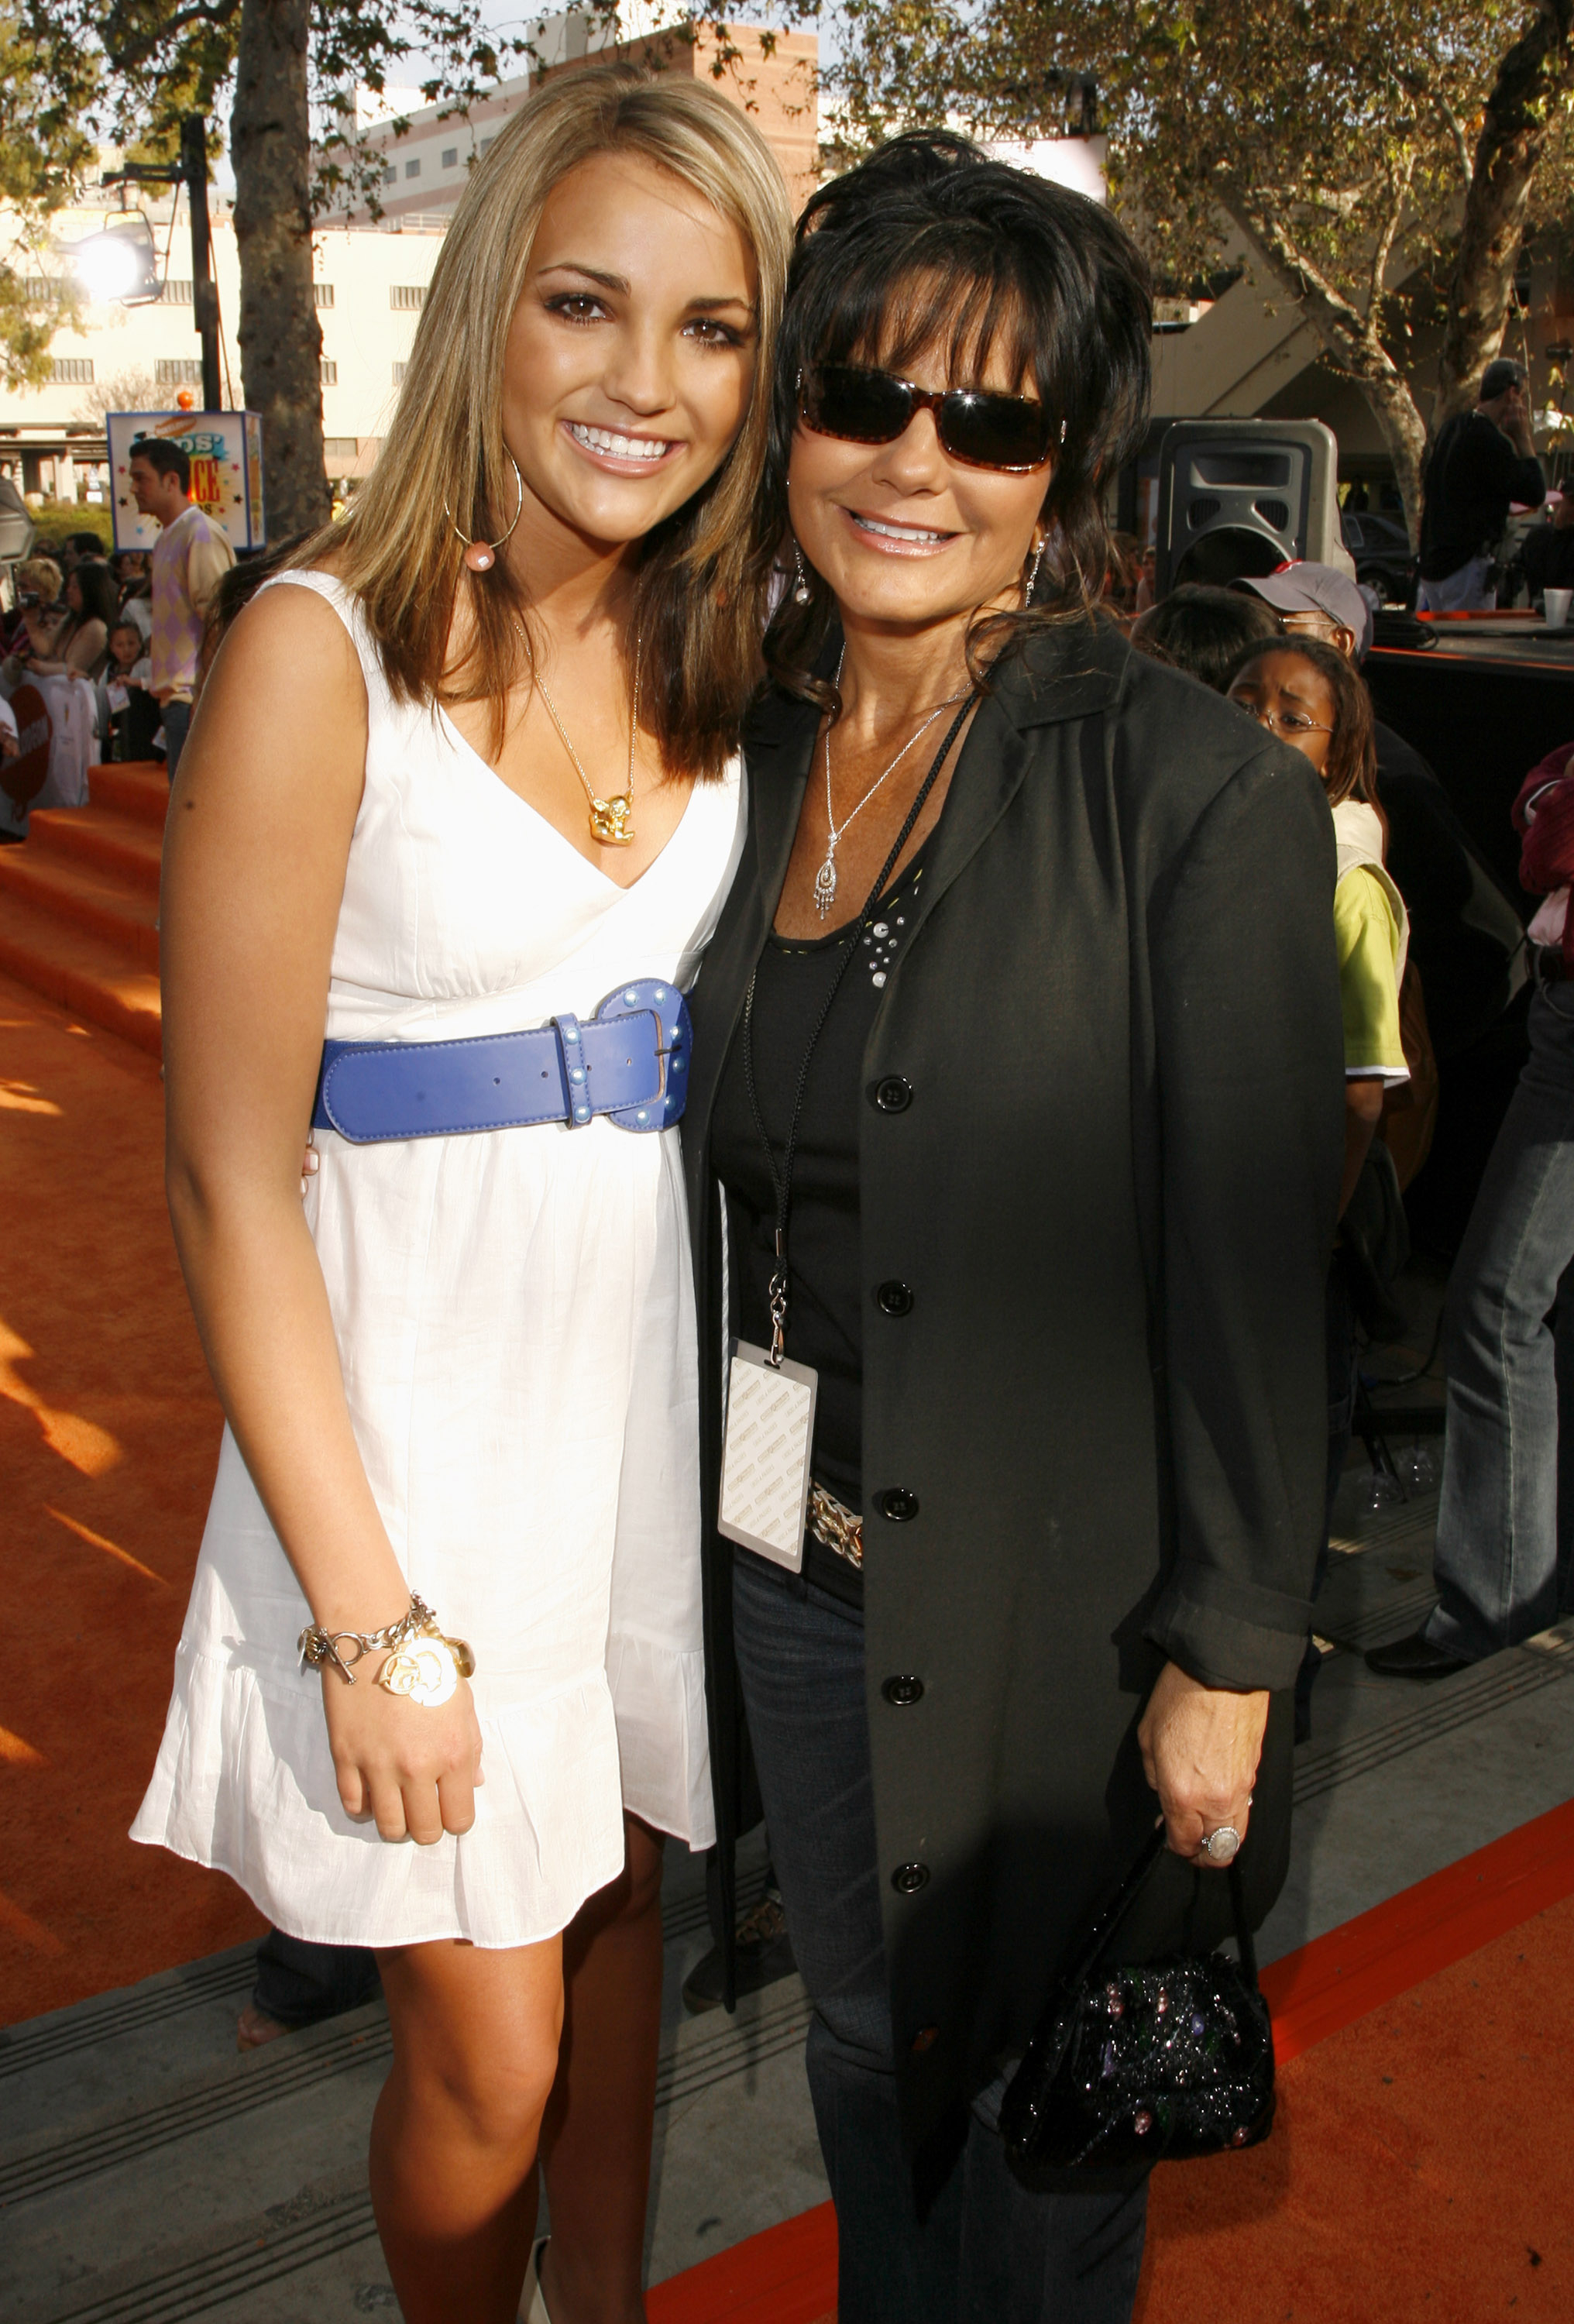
(120, 265)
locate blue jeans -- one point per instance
(177, 726)
(1469, 590)
(1499, 1540)
(984, 2250)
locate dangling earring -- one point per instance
(481, 556)
(1033, 570)
(800, 578)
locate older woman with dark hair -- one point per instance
(1013, 1141)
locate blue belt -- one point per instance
(629, 1062)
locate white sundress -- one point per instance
(515, 1325)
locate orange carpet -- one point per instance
(1418, 2166)
(108, 1437)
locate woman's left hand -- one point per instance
(1200, 1748)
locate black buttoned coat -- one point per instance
(1100, 1146)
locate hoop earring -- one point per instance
(801, 592)
(481, 556)
(1032, 582)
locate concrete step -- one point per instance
(95, 976)
(84, 896)
(140, 788)
(126, 845)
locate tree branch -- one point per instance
(1518, 115)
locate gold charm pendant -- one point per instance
(610, 822)
(426, 1670)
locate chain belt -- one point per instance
(835, 1526)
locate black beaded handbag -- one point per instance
(1158, 2062)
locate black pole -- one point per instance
(204, 291)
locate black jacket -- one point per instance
(1471, 476)
(1102, 1146)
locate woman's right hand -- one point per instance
(409, 1767)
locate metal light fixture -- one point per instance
(120, 264)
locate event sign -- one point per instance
(225, 452)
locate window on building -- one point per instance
(484, 143)
(399, 372)
(390, 174)
(37, 288)
(410, 296)
(177, 371)
(75, 371)
(450, 157)
(322, 294)
(330, 375)
(339, 447)
(177, 293)
(412, 168)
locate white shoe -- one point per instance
(533, 2306)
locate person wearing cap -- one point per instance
(1466, 939)
(1483, 460)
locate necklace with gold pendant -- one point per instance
(610, 819)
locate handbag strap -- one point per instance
(1107, 1925)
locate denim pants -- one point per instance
(1471, 589)
(1499, 1540)
(984, 2250)
(177, 726)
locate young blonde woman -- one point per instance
(464, 796)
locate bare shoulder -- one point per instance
(287, 679)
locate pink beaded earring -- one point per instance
(481, 556)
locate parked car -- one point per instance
(1381, 548)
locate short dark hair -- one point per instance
(929, 242)
(168, 459)
(1203, 630)
(1350, 769)
(1497, 379)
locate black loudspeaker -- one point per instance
(1238, 497)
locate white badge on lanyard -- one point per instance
(769, 1437)
(766, 1453)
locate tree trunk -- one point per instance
(281, 338)
(1520, 110)
(1353, 347)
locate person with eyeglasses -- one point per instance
(1013, 1153)
(1306, 692)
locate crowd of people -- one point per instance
(129, 626)
(786, 1105)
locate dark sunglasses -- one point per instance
(875, 407)
(973, 426)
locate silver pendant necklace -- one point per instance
(825, 877)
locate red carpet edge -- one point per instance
(788, 2276)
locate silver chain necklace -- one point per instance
(825, 877)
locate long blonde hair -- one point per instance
(702, 574)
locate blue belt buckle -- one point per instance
(667, 1004)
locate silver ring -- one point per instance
(1221, 1846)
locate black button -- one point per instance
(894, 1298)
(893, 1095)
(908, 1878)
(897, 1504)
(904, 1688)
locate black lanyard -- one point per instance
(782, 1179)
